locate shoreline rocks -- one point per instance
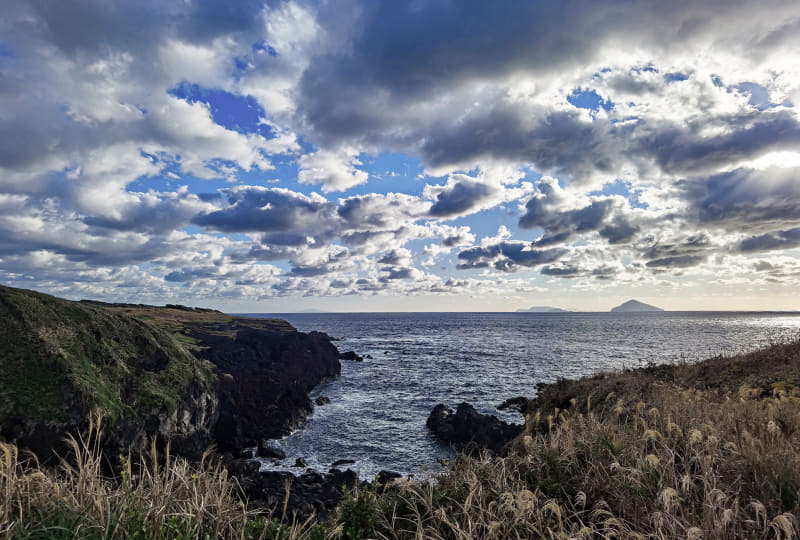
(467, 430)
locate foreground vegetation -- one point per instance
(704, 451)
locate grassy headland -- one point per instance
(61, 358)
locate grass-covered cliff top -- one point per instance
(60, 359)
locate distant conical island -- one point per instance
(634, 306)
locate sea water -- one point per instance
(379, 406)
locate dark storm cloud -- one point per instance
(677, 150)
(262, 209)
(412, 49)
(746, 199)
(680, 253)
(95, 26)
(399, 55)
(508, 256)
(771, 241)
(459, 197)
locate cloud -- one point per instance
(335, 171)
(678, 252)
(507, 256)
(746, 198)
(563, 215)
(772, 241)
(666, 134)
(463, 195)
(252, 209)
(458, 197)
(396, 257)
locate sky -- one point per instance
(433, 155)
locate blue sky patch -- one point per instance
(675, 77)
(589, 99)
(262, 46)
(759, 97)
(231, 111)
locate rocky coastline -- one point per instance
(189, 378)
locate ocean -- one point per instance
(378, 407)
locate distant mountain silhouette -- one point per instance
(543, 309)
(634, 306)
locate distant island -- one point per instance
(542, 309)
(634, 306)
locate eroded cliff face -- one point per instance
(183, 376)
(266, 369)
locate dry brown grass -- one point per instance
(684, 464)
(158, 497)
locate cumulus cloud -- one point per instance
(252, 209)
(772, 241)
(667, 136)
(746, 198)
(463, 195)
(563, 215)
(335, 171)
(507, 256)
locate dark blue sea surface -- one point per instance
(379, 406)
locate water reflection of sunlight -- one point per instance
(787, 322)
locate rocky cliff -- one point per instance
(266, 370)
(184, 375)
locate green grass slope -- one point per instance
(60, 360)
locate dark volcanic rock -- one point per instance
(309, 493)
(340, 462)
(322, 400)
(386, 477)
(300, 463)
(270, 449)
(266, 372)
(350, 355)
(468, 430)
(519, 404)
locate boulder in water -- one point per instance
(468, 430)
(270, 449)
(350, 355)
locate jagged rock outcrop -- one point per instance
(267, 370)
(468, 430)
